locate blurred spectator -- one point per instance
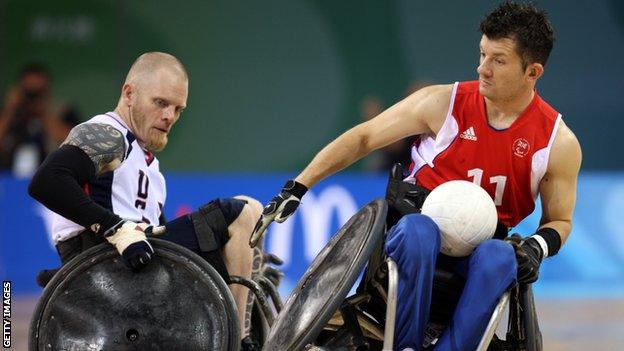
(29, 125)
(399, 152)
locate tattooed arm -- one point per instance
(90, 150)
(103, 144)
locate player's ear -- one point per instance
(127, 92)
(534, 71)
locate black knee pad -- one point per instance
(231, 208)
(210, 226)
(211, 222)
(205, 231)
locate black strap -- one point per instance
(209, 224)
(211, 230)
(72, 247)
(403, 198)
(552, 238)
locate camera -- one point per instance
(31, 95)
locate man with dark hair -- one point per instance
(104, 183)
(528, 27)
(496, 132)
(29, 125)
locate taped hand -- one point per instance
(130, 241)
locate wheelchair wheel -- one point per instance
(177, 302)
(325, 284)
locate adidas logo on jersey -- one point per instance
(468, 134)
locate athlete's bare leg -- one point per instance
(238, 256)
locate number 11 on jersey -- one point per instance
(477, 174)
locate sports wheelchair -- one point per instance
(94, 302)
(318, 315)
(177, 302)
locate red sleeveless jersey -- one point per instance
(509, 163)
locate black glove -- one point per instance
(279, 209)
(529, 255)
(137, 255)
(130, 241)
(403, 197)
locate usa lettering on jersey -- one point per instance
(135, 191)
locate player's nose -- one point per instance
(483, 69)
(169, 114)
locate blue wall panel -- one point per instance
(590, 265)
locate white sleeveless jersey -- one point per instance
(135, 191)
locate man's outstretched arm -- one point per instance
(423, 112)
(420, 113)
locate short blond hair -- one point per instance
(150, 62)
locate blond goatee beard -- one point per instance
(156, 141)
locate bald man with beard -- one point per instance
(104, 183)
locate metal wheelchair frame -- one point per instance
(380, 283)
(522, 335)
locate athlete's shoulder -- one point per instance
(566, 150)
(565, 137)
(112, 119)
(466, 100)
(430, 97)
(104, 144)
(433, 97)
(437, 90)
(468, 87)
(545, 108)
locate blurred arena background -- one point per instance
(271, 82)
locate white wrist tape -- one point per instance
(128, 234)
(542, 243)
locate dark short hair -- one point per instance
(35, 68)
(525, 24)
